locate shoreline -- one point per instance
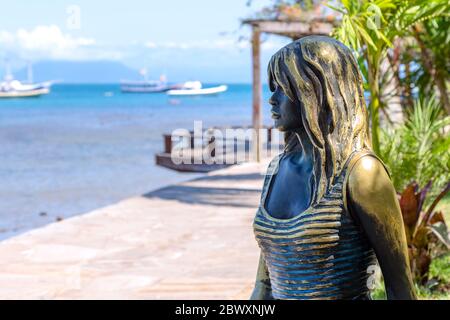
(42, 218)
(188, 240)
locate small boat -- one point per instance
(146, 86)
(16, 89)
(24, 94)
(195, 88)
(12, 88)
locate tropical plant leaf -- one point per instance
(409, 204)
(436, 217)
(419, 149)
(420, 237)
(423, 195)
(440, 230)
(423, 262)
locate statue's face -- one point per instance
(285, 112)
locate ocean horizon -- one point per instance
(85, 146)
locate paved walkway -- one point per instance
(193, 240)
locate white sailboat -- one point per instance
(12, 88)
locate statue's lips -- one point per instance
(275, 115)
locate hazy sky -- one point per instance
(195, 39)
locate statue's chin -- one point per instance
(279, 127)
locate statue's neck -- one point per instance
(301, 143)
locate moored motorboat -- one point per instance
(12, 88)
(195, 88)
(24, 94)
(15, 89)
(143, 86)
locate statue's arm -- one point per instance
(262, 290)
(373, 203)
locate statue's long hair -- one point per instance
(321, 75)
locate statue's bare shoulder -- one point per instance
(371, 192)
(368, 180)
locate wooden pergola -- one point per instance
(294, 29)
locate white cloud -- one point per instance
(49, 42)
(49, 37)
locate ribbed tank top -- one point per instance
(320, 253)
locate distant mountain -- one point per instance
(79, 72)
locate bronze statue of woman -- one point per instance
(328, 208)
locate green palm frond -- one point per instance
(413, 12)
(419, 150)
(363, 23)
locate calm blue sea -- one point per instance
(86, 146)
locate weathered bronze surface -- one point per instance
(328, 207)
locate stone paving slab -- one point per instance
(193, 240)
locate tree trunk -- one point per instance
(375, 119)
(401, 87)
(374, 105)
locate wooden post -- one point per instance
(257, 90)
(167, 143)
